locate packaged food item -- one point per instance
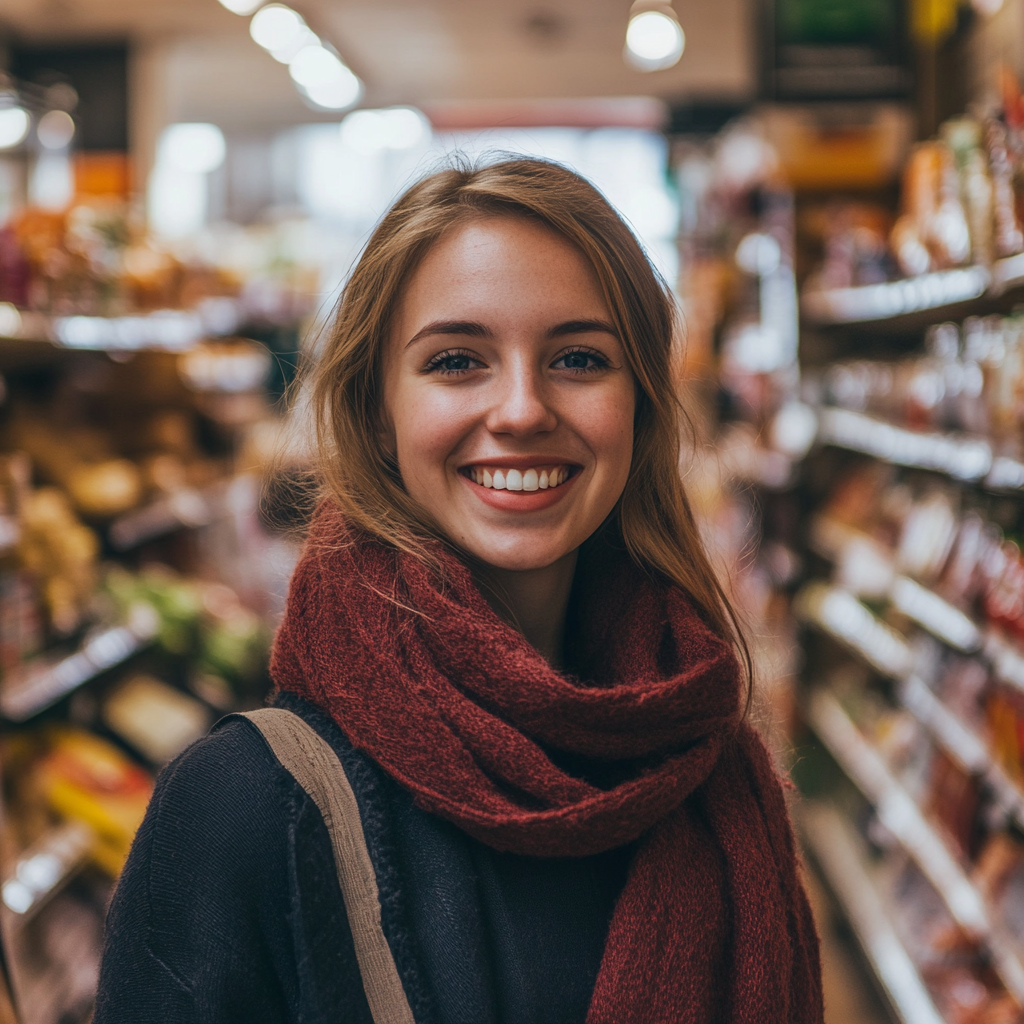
(154, 718)
(927, 537)
(954, 800)
(932, 232)
(84, 778)
(1007, 235)
(964, 138)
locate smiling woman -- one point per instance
(507, 776)
(510, 408)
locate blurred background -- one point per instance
(835, 191)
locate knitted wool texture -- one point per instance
(713, 923)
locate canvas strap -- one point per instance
(316, 768)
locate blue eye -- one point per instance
(581, 361)
(451, 362)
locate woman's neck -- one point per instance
(534, 601)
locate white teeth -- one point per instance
(519, 480)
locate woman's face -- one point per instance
(508, 394)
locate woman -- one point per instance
(507, 630)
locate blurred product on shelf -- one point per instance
(96, 259)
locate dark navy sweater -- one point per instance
(229, 908)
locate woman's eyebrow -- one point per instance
(464, 327)
(583, 327)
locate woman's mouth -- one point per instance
(535, 478)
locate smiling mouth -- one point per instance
(540, 478)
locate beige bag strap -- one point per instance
(316, 768)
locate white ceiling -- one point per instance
(407, 51)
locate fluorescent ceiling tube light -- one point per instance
(654, 37)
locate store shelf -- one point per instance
(836, 542)
(168, 330)
(840, 615)
(44, 869)
(934, 293)
(835, 848)
(962, 457)
(183, 509)
(899, 814)
(41, 683)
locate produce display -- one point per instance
(138, 589)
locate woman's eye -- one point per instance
(452, 362)
(581, 360)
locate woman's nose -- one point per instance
(521, 406)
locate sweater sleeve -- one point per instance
(200, 926)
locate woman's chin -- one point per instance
(520, 554)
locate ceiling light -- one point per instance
(13, 126)
(396, 128)
(654, 38)
(299, 41)
(276, 26)
(338, 94)
(195, 148)
(314, 65)
(240, 6)
(55, 130)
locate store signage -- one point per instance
(835, 50)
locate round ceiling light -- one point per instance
(240, 6)
(55, 130)
(314, 65)
(276, 26)
(324, 79)
(654, 39)
(14, 123)
(338, 94)
(196, 148)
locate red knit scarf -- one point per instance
(713, 923)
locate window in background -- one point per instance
(348, 178)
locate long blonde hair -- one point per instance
(356, 466)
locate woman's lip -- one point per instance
(519, 501)
(521, 462)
